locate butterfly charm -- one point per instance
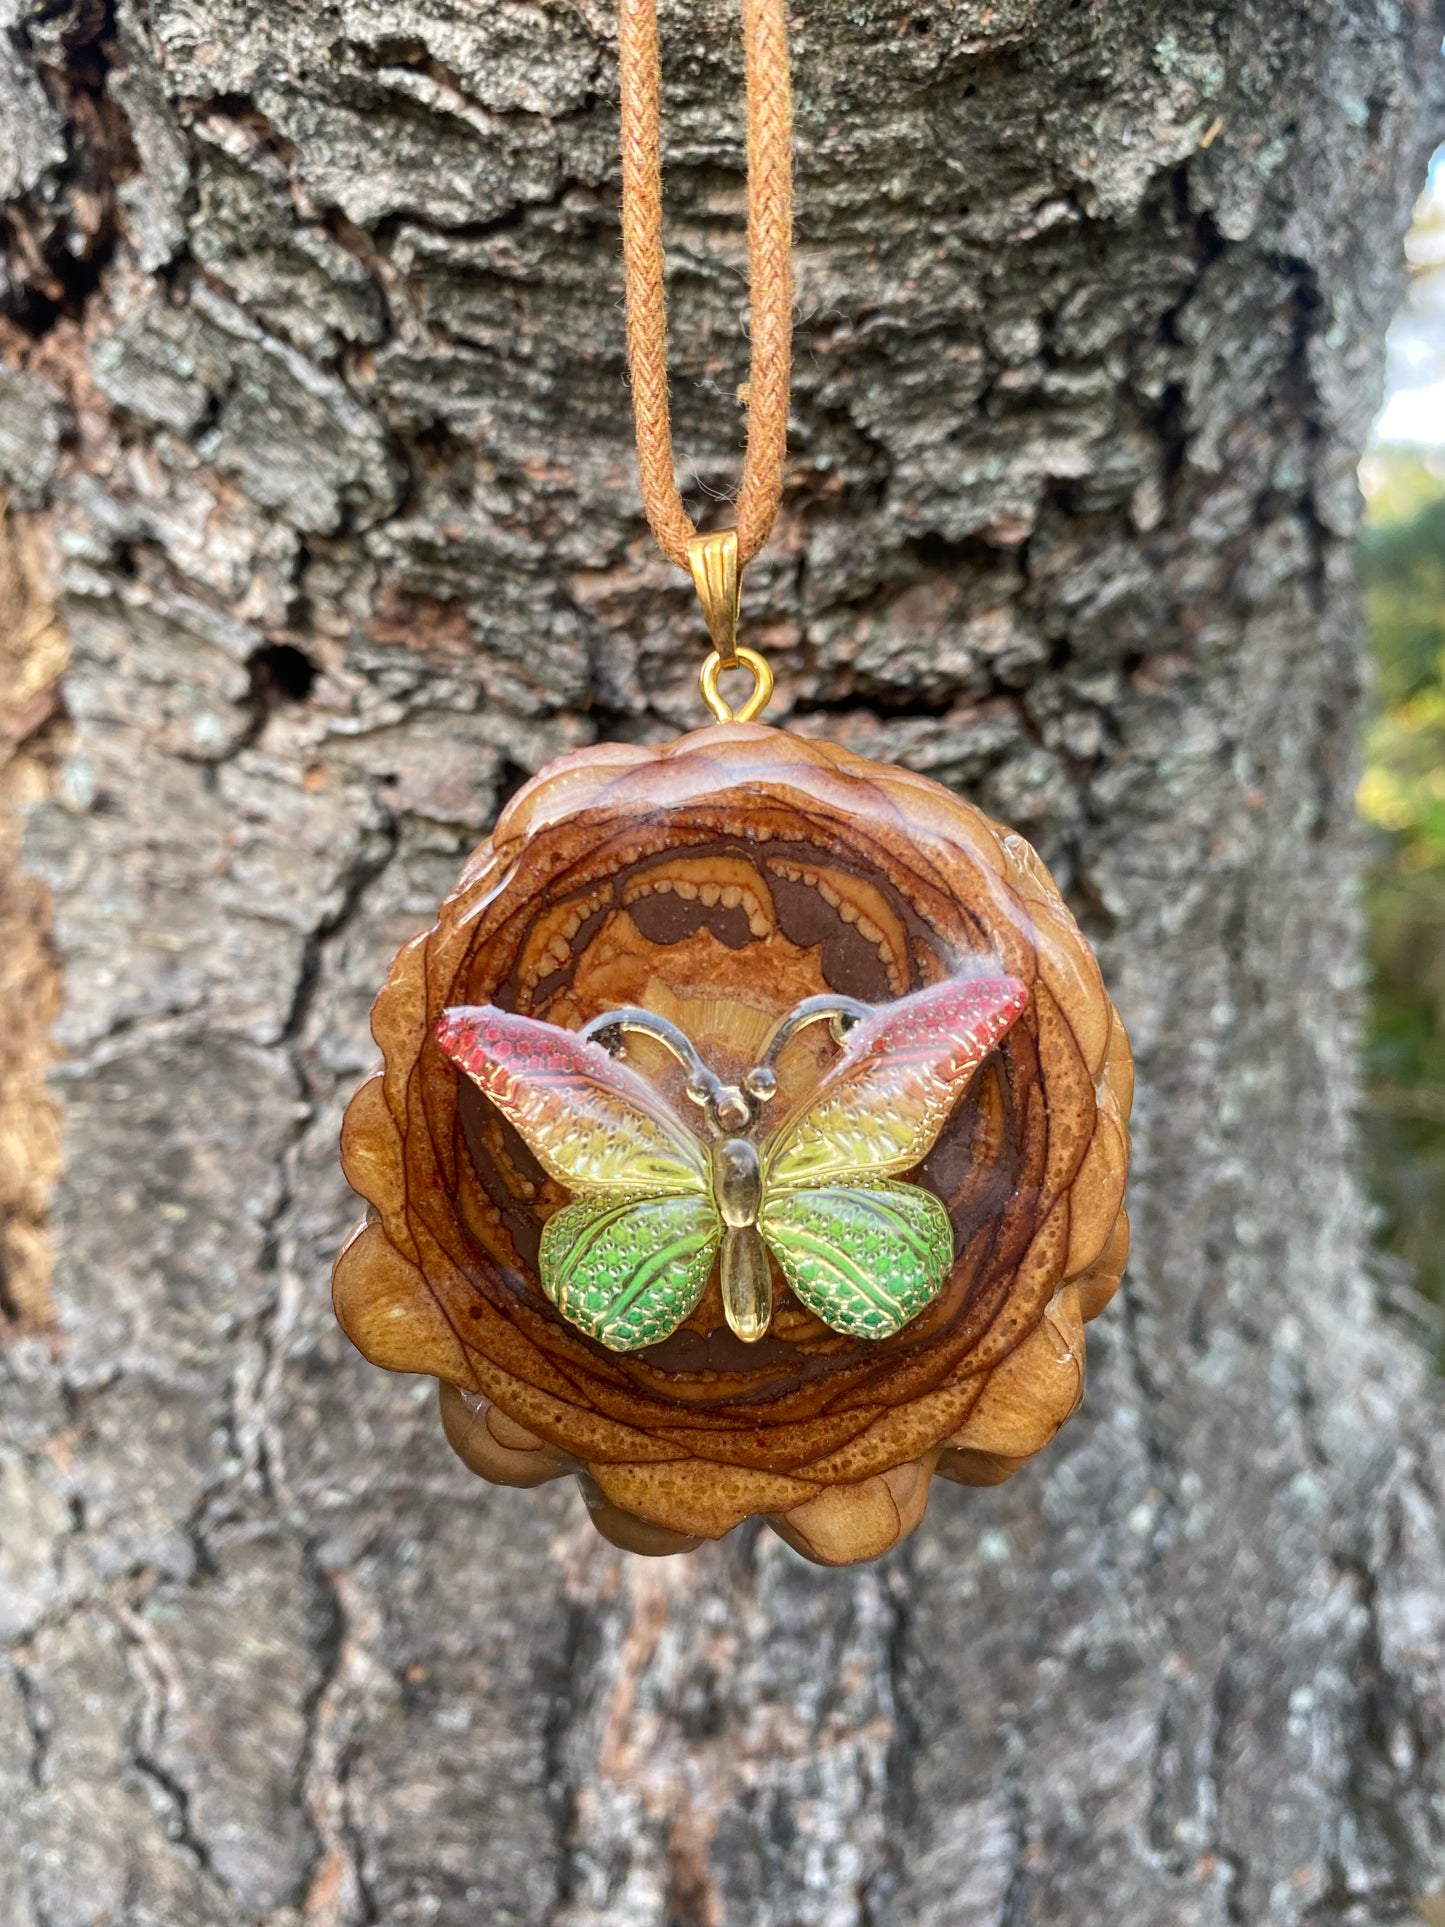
(657, 1203)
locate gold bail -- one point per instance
(713, 560)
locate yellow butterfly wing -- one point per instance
(590, 1122)
(864, 1253)
(903, 1069)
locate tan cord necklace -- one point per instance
(715, 561)
(738, 997)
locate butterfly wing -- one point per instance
(903, 1069)
(590, 1122)
(627, 1270)
(864, 1258)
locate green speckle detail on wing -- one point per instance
(864, 1258)
(627, 1271)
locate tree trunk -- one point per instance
(316, 404)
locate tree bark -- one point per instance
(316, 402)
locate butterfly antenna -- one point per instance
(611, 1028)
(727, 1107)
(839, 1013)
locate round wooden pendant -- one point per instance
(751, 1139)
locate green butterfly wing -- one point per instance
(628, 1270)
(863, 1258)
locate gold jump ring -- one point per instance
(756, 703)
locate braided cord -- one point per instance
(770, 272)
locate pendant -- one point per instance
(750, 1140)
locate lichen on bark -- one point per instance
(315, 374)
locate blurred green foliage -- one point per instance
(1402, 794)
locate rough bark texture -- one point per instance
(316, 395)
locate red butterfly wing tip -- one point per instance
(997, 997)
(457, 1032)
(991, 1004)
(1012, 1002)
(1016, 998)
